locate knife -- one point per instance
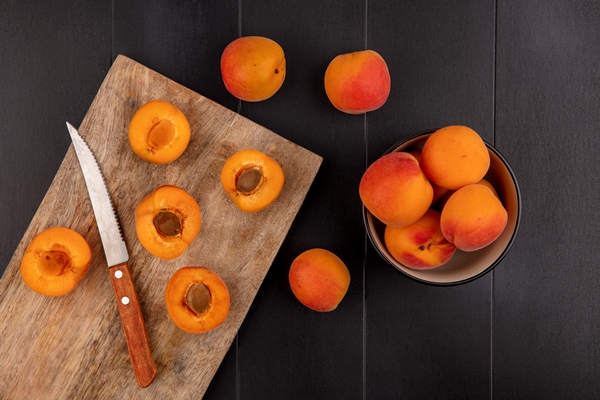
(117, 259)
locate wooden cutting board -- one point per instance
(73, 347)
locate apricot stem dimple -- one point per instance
(248, 180)
(197, 298)
(54, 262)
(167, 223)
(161, 134)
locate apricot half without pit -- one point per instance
(159, 132)
(197, 299)
(252, 180)
(167, 221)
(55, 261)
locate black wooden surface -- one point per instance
(524, 73)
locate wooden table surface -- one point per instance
(525, 74)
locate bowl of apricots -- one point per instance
(442, 206)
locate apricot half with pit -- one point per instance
(167, 221)
(197, 299)
(252, 180)
(159, 132)
(253, 68)
(55, 261)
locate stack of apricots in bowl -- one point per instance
(441, 206)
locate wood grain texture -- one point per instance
(73, 346)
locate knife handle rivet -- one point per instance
(118, 274)
(125, 300)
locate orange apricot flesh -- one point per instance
(197, 299)
(167, 221)
(55, 261)
(159, 132)
(252, 180)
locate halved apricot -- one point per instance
(197, 299)
(167, 221)
(159, 132)
(252, 180)
(55, 261)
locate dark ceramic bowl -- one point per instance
(463, 266)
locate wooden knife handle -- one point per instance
(133, 324)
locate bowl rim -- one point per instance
(500, 257)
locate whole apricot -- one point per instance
(55, 261)
(197, 299)
(395, 190)
(252, 180)
(253, 68)
(358, 82)
(159, 132)
(455, 156)
(489, 185)
(438, 191)
(319, 279)
(420, 245)
(167, 221)
(473, 217)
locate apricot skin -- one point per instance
(159, 132)
(319, 279)
(455, 156)
(171, 199)
(487, 184)
(473, 217)
(180, 312)
(438, 191)
(268, 189)
(253, 68)
(358, 82)
(395, 190)
(55, 261)
(420, 245)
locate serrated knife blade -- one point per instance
(117, 259)
(108, 225)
